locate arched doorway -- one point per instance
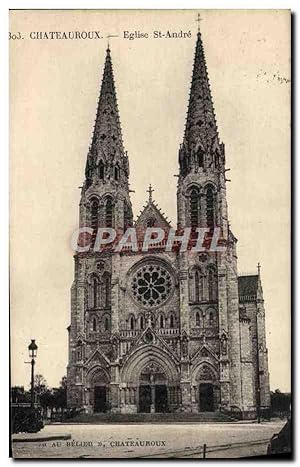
(206, 388)
(206, 397)
(153, 390)
(99, 394)
(154, 375)
(100, 399)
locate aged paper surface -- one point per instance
(56, 69)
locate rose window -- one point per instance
(151, 285)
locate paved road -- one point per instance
(168, 440)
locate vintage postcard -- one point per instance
(150, 233)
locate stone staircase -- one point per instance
(202, 417)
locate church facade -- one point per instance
(164, 331)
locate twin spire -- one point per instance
(107, 136)
(201, 126)
(200, 147)
(107, 158)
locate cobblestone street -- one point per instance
(156, 440)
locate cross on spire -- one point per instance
(108, 37)
(258, 268)
(150, 191)
(198, 21)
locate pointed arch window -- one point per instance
(183, 166)
(117, 172)
(95, 288)
(200, 158)
(89, 170)
(93, 292)
(197, 286)
(201, 287)
(107, 290)
(210, 207)
(142, 323)
(152, 320)
(106, 323)
(161, 322)
(212, 285)
(132, 323)
(94, 325)
(101, 170)
(194, 207)
(197, 319)
(211, 318)
(127, 217)
(109, 213)
(172, 321)
(94, 215)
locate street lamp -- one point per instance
(32, 349)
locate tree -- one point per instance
(40, 384)
(280, 403)
(19, 395)
(60, 394)
(43, 393)
(48, 398)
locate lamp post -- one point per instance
(32, 349)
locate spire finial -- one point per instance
(108, 37)
(150, 191)
(258, 268)
(198, 21)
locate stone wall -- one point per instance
(248, 394)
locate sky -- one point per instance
(54, 87)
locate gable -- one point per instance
(204, 352)
(149, 337)
(97, 358)
(151, 216)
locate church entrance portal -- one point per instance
(100, 399)
(153, 391)
(206, 397)
(161, 398)
(145, 399)
(153, 398)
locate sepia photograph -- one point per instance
(150, 230)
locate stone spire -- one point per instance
(201, 140)
(107, 148)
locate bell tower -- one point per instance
(212, 280)
(104, 202)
